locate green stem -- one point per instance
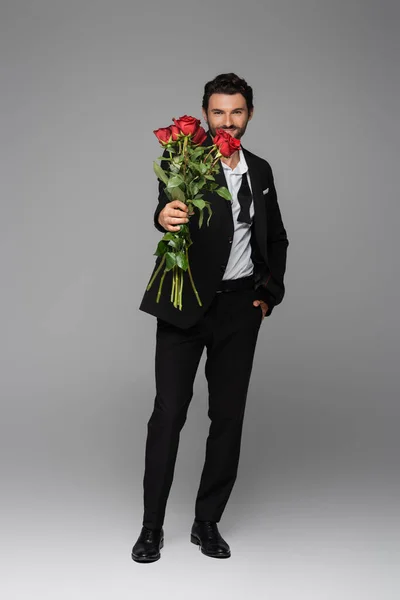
(180, 291)
(212, 148)
(156, 273)
(215, 161)
(172, 288)
(176, 284)
(161, 284)
(177, 288)
(185, 142)
(212, 165)
(191, 279)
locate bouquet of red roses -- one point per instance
(191, 171)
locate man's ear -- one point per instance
(204, 115)
(251, 114)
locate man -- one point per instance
(238, 264)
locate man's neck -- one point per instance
(232, 161)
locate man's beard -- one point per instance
(236, 132)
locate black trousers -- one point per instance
(229, 330)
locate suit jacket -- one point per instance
(209, 253)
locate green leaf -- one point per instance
(168, 194)
(161, 249)
(170, 260)
(194, 167)
(202, 182)
(181, 261)
(174, 181)
(174, 168)
(224, 192)
(177, 194)
(197, 152)
(174, 243)
(168, 236)
(161, 174)
(199, 203)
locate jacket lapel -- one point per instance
(260, 212)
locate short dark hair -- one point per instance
(228, 83)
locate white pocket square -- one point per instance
(266, 191)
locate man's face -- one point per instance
(229, 112)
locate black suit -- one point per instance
(209, 253)
(228, 325)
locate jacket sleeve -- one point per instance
(273, 288)
(162, 196)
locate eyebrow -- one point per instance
(222, 110)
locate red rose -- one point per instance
(226, 143)
(187, 125)
(199, 136)
(175, 132)
(163, 134)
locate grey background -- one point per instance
(314, 510)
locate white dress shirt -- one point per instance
(239, 263)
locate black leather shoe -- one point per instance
(148, 545)
(206, 535)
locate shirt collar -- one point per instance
(240, 168)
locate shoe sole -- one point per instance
(195, 540)
(146, 559)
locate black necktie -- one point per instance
(245, 198)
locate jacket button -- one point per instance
(230, 240)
